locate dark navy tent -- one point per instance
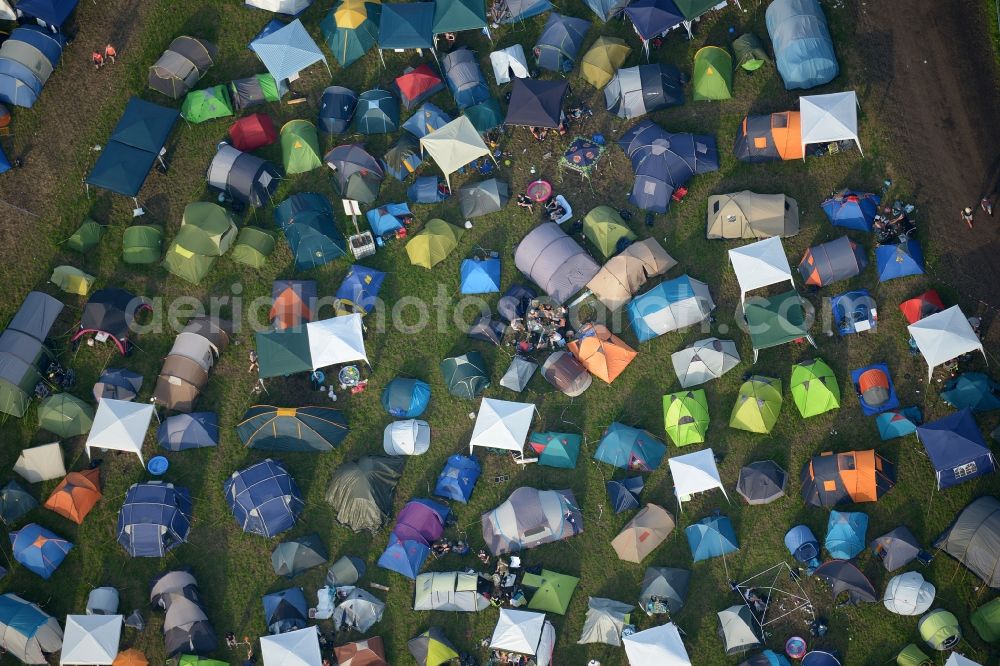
(956, 449)
(653, 17)
(39, 550)
(406, 398)
(133, 148)
(407, 25)
(425, 189)
(515, 302)
(52, 12)
(803, 545)
(480, 276)
(535, 103)
(972, 390)
(336, 108)
(803, 48)
(286, 610)
(404, 557)
(560, 41)
(624, 495)
(458, 478)
(188, 431)
(15, 502)
(360, 288)
(155, 519)
(896, 261)
(18, 84)
(50, 44)
(852, 210)
(243, 176)
(712, 536)
(264, 498)
(312, 234)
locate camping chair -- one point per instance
(519, 459)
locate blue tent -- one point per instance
(15, 503)
(377, 112)
(465, 79)
(287, 51)
(336, 108)
(264, 498)
(307, 220)
(803, 545)
(39, 550)
(50, 44)
(972, 390)
(406, 26)
(387, 218)
(652, 17)
(560, 41)
(819, 658)
(425, 190)
(480, 276)
(629, 448)
(896, 261)
(845, 534)
(854, 311)
(712, 536)
(406, 398)
(624, 495)
(154, 519)
(875, 389)
(27, 629)
(898, 422)
(286, 610)
(360, 287)
(458, 478)
(4, 162)
(404, 557)
(52, 12)
(425, 120)
(668, 306)
(852, 210)
(956, 449)
(133, 147)
(519, 10)
(606, 9)
(803, 48)
(188, 431)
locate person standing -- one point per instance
(97, 59)
(986, 205)
(110, 53)
(967, 216)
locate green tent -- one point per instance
(432, 648)
(186, 264)
(17, 385)
(458, 15)
(195, 660)
(485, 115)
(72, 280)
(606, 229)
(757, 405)
(713, 74)
(692, 9)
(814, 388)
(775, 320)
(350, 29)
(986, 620)
(911, 655)
(283, 352)
(465, 375)
(207, 104)
(86, 237)
(430, 247)
(253, 247)
(556, 449)
(65, 415)
(750, 53)
(300, 147)
(315, 428)
(940, 629)
(605, 57)
(207, 228)
(550, 591)
(142, 244)
(685, 416)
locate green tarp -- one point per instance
(86, 237)
(713, 74)
(253, 247)
(283, 352)
(775, 320)
(207, 104)
(300, 147)
(65, 415)
(685, 416)
(141, 244)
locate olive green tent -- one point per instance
(986, 621)
(605, 57)
(300, 147)
(911, 655)
(207, 228)
(207, 104)
(713, 74)
(814, 388)
(65, 415)
(685, 416)
(757, 405)
(750, 53)
(605, 228)
(187, 264)
(142, 244)
(86, 237)
(72, 280)
(433, 244)
(550, 591)
(253, 247)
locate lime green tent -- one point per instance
(300, 147)
(207, 228)
(65, 415)
(433, 244)
(551, 591)
(86, 237)
(605, 228)
(713, 74)
(142, 244)
(253, 247)
(685, 416)
(911, 655)
(940, 629)
(750, 53)
(207, 104)
(195, 660)
(986, 620)
(814, 388)
(186, 264)
(72, 280)
(432, 648)
(757, 405)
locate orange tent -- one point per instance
(777, 136)
(844, 478)
(76, 495)
(601, 352)
(130, 657)
(292, 304)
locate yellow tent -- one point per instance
(433, 244)
(604, 58)
(72, 280)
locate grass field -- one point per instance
(234, 569)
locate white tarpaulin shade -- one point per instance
(943, 336)
(454, 145)
(502, 424)
(695, 473)
(410, 437)
(760, 264)
(41, 463)
(509, 62)
(524, 632)
(660, 645)
(120, 425)
(293, 648)
(290, 7)
(827, 118)
(91, 639)
(336, 340)
(958, 660)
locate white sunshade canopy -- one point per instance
(826, 118)
(660, 645)
(293, 648)
(502, 424)
(336, 340)
(290, 7)
(958, 660)
(760, 264)
(41, 463)
(518, 631)
(943, 336)
(454, 145)
(410, 437)
(120, 425)
(695, 473)
(91, 639)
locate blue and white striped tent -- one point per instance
(287, 51)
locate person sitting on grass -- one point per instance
(539, 133)
(524, 201)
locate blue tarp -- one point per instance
(404, 557)
(802, 544)
(264, 498)
(425, 120)
(286, 610)
(133, 147)
(480, 276)
(956, 448)
(287, 51)
(845, 534)
(39, 550)
(387, 218)
(624, 495)
(712, 536)
(406, 398)
(896, 261)
(154, 519)
(361, 286)
(458, 478)
(629, 448)
(53, 12)
(803, 49)
(188, 431)
(852, 210)
(892, 401)
(407, 26)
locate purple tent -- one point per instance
(421, 520)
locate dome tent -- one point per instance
(292, 557)
(908, 594)
(264, 498)
(405, 397)
(604, 622)
(154, 519)
(973, 539)
(458, 478)
(76, 495)
(685, 416)
(270, 428)
(844, 577)
(531, 518)
(466, 375)
(361, 491)
(666, 586)
(38, 550)
(713, 74)
(15, 502)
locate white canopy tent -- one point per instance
(831, 117)
(120, 425)
(509, 62)
(293, 648)
(943, 336)
(695, 473)
(660, 645)
(955, 659)
(91, 639)
(7, 11)
(290, 7)
(502, 424)
(336, 340)
(524, 632)
(760, 264)
(454, 145)
(41, 463)
(908, 594)
(410, 437)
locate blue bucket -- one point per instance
(158, 465)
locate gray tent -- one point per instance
(345, 571)
(605, 621)
(747, 214)
(186, 627)
(290, 558)
(26, 631)
(455, 591)
(664, 586)
(22, 346)
(15, 503)
(897, 548)
(844, 577)
(465, 78)
(483, 198)
(181, 66)
(562, 370)
(762, 482)
(361, 491)
(518, 374)
(560, 41)
(554, 261)
(636, 91)
(356, 174)
(838, 259)
(102, 601)
(359, 611)
(243, 176)
(974, 539)
(737, 628)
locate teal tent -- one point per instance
(629, 448)
(556, 449)
(350, 29)
(458, 15)
(283, 352)
(292, 428)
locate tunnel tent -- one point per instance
(255, 90)
(626, 272)
(554, 261)
(245, 177)
(803, 48)
(670, 306)
(835, 260)
(26, 631)
(828, 118)
(747, 214)
(636, 91)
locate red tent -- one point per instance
(416, 85)
(921, 306)
(253, 132)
